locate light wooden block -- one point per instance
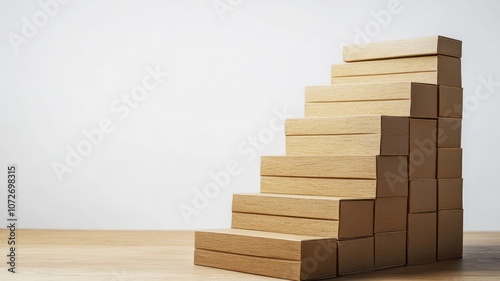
(431, 77)
(355, 167)
(347, 125)
(355, 211)
(450, 193)
(390, 214)
(288, 225)
(448, 68)
(450, 101)
(360, 144)
(420, 100)
(358, 188)
(422, 236)
(422, 196)
(270, 254)
(390, 249)
(450, 234)
(433, 45)
(449, 163)
(449, 132)
(356, 255)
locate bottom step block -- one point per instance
(421, 238)
(277, 255)
(450, 234)
(356, 255)
(390, 249)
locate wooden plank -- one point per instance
(359, 144)
(288, 225)
(450, 234)
(320, 207)
(358, 188)
(430, 77)
(355, 216)
(357, 167)
(355, 255)
(406, 99)
(421, 241)
(285, 269)
(347, 125)
(450, 101)
(260, 244)
(433, 45)
(450, 194)
(390, 214)
(390, 249)
(422, 196)
(447, 70)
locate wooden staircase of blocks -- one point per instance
(372, 176)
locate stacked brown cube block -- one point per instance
(371, 178)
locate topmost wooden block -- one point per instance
(434, 45)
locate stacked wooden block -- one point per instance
(372, 175)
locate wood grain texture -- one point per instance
(81, 255)
(377, 107)
(319, 186)
(265, 253)
(357, 167)
(287, 225)
(353, 92)
(361, 144)
(430, 77)
(387, 66)
(319, 207)
(433, 45)
(347, 125)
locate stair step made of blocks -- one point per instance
(357, 135)
(353, 167)
(432, 45)
(434, 69)
(358, 188)
(390, 249)
(391, 98)
(304, 215)
(277, 255)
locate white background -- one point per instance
(226, 76)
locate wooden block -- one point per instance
(348, 125)
(355, 255)
(270, 254)
(421, 241)
(434, 45)
(449, 163)
(450, 234)
(358, 188)
(422, 163)
(450, 194)
(349, 210)
(423, 133)
(448, 67)
(431, 77)
(288, 225)
(355, 167)
(450, 101)
(415, 100)
(390, 214)
(390, 249)
(422, 196)
(423, 97)
(449, 132)
(359, 144)
(302, 215)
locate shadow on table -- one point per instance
(478, 262)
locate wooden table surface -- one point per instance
(168, 255)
